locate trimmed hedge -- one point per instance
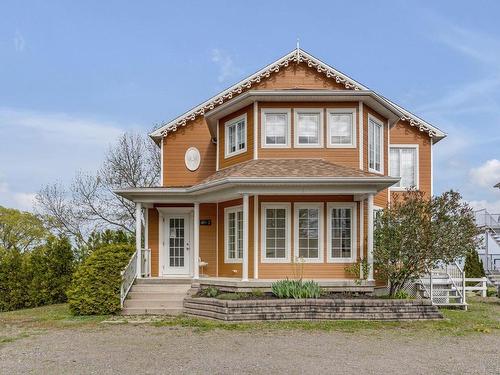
(95, 289)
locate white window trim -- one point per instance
(227, 124)
(320, 206)
(286, 206)
(318, 111)
(289, 127)
(227, 211)
(417, 174)
(352, 111)
(381, 123)
(354, 232)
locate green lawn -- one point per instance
(483, 317)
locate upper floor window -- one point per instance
(375, 145)
(236, 135)
(234, 234)
(341, 128)
(404, 164)
(276, 128)
(308, 127)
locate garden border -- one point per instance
(310, 309)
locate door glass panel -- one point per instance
(176, 242)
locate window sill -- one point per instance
(341, 260)
(341, 146)
(278, 260)
(236, 153)
(233, 261)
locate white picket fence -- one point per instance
(479, 287)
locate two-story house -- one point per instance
(282, 170)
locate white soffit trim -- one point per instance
(298, 56)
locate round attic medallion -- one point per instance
(192, 158)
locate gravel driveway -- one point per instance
(143, 349)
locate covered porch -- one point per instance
(239, 233)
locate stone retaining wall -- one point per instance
(310, 309)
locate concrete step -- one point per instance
(157, 304)
(160, 288)
(166, 296)
(151, 311)
(162, 281)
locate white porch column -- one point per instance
(196, 247)
(244, 272)
(256, 237)
(138, 236)
(370, 237)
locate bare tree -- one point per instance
(90, 204)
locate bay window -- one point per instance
(276, 128)
(233, 234)
(308, 127)
(375, 145)
(276, 232)
(404, 164)
(235, 135)
(341, 232)
(341, 128)
(309, 231)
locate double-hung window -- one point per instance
(404, 164)
(236, 134)
(375, 145)
(309, 231)
(308, 127)
(234, 234)
(275, 232)
(341, 128)
(276, 128)
(341, 232)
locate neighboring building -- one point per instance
(289, 163)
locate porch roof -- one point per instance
(268, 176)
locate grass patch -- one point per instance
(483, 316)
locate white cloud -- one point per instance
(20, 200)
(487, 174)
(59, 126)
(224, 61)
(19, 42)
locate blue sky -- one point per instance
(74, 75)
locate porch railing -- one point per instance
(146, 262)
(485, 219)
(128, 276)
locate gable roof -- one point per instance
(298, 56)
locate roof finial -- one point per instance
(298, 50)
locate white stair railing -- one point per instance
(128, 276)
(445, 285)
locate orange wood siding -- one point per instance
(248, 154)
(208, 238)
(154, 240)
(403, 133)
(310, 270)
(298, 76)
(175, 144)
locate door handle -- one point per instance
(187, 246)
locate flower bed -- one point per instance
(310, 309)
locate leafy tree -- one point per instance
(21, 231)
(51, 267)
(14, 279)
(89, 204)
(95, 289)
(473, 265)
(99, 239)
(415, 233)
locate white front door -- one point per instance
(177, 245)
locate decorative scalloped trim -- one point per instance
(298, 57)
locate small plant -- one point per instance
(296, 289)
(210, 292)
(257, 293)
(355, 269)
(232, 296)
(401, 294)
